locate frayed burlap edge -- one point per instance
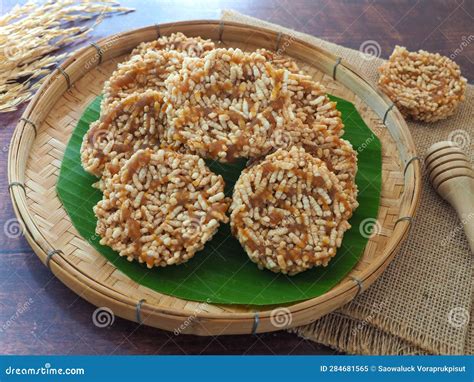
(349, 335)
(364, 336)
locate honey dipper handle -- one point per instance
(459, 192)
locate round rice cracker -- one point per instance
(161, 208)
(280, 61)
(311, 104)
(189, 46)
(424, 86)
(226, 104)
(135, 122)
(318, 140)
(141, 73)
(341, 159)
(289, 212)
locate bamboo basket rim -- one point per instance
(61, 79)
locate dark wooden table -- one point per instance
(38, 315)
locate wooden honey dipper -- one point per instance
(452, 176)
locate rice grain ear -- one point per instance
(26, 60)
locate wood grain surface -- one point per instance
(38, 315)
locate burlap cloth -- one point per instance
(421, 303)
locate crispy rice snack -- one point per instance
(161, 208)
(289, 212)
(424, 86)
(130, 124)
(279, 61)
(340, 158)
(190, 46)
(317, 140)
(227, 104)
(335, 152)
(311, 104)
(140, 73)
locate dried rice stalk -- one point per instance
(30, 35)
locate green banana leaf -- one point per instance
(222, 272)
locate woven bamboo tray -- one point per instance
(41, 136)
